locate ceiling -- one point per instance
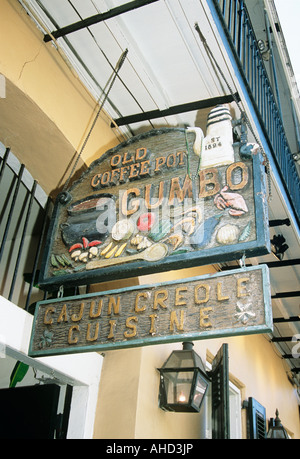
(166, 66)
(153, 77)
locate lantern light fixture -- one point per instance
(183, 381)
(279, 245)
(276, 430)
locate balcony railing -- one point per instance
(23, 219)
(24, 222)
(237, 25)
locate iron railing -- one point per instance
(23, 222)
(239, 30)
(25, 212)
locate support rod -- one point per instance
(279, 222)
(97, 18)
(11, 211)
(38, 251)
(282, 263)
(270, 264)
(21, 246)
(175, 110)
(4, 161)
(282, 339)
(282, 320)
(286, 294)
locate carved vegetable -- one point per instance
(60, 260)
(83, 257)
(111, 252)
(107, 248)
(122, 230)
(66, 260)
(54, 261)
(75, 254)
(94, 243)
(136, 240)
(141, 242)
(160, 230)
(146, 221)
(93, 251)
(75, 247)
(144, 244)
(85, 242)
(120, 250)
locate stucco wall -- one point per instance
(46, 112)
(128, 393)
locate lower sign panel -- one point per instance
(210, 306)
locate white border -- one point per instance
(81, 371)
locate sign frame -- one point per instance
(234, 251)
(265, 327)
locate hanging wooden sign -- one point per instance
(166, 199)
(223, 304)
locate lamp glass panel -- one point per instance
(199, 392)
(178, 386)
(277, 433)
(180, 359)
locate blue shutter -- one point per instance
(256, 419)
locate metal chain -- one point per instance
(243, 113)
(113, 78)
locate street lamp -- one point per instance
(183, 381)
(276, 429)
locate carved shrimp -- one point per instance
(187, 224)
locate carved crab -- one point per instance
(234, 201)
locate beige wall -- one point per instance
(47, 111)
(263, 373)
(128, 393)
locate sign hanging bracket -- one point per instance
(60, 292)
(106, 94)
(242, 261)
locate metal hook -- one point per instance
(242, 261)
(60, 292)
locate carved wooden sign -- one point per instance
(166, 199)
(223, 304)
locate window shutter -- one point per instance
(256, 419)
(220, 395)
